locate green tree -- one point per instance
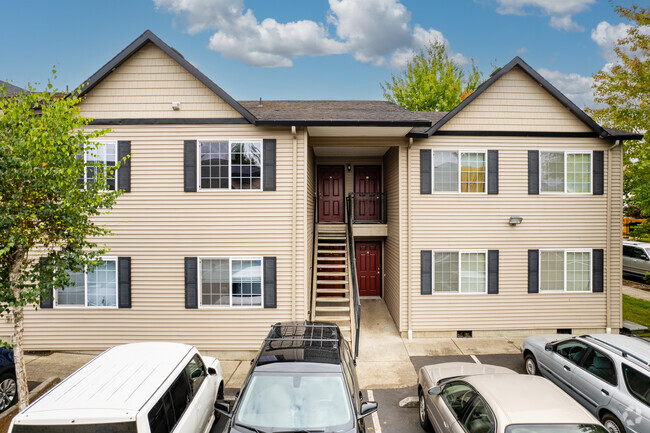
(431, 82)
(45, 210)
(624, 92)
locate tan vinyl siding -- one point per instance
(146, 85)
(157, 225)
(392, 250)
(515, 102)
(457, 221)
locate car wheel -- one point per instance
(531, 364)
(425, 423)
(8, 394)
(612, 424)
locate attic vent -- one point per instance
(564, 331)
(260, 105)
(463, 334)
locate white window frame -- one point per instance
(104, 142)
(568, 152)
(460, 272)
(85, 305)
(565, 251)
(230, 259)
(230, 142)
(460, 152)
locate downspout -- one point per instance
(408, 238)
(294, 216)
(608, 237)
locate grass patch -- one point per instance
(637, 311)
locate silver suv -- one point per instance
(636, 257)
(608, 374)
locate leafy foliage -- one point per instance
(431, 82)
(624, 90)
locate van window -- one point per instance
(195, 371)
(117, 427)
(169, 409)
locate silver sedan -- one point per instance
(463, 397)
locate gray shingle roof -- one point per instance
(10, 89)
(623, 135)
(335, 112)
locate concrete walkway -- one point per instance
(636, 293)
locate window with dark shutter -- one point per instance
(493, 172)
(425, 272)
(46, 301)
(270, 282)
(124, 172)
(425, 171)
(597, 268)
(533, 271)
(599, 172)
(124, 282)
(533, 172)
(493, 272)
(268, 158)
(189, 166)
(191, 282)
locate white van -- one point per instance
(133, 388)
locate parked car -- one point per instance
(8, 391)
(608, 374)
(636, 257)
(132, 388)
(302, 380)
(460, 397)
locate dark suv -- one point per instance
(302, 380)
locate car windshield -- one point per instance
(555, 428)
(285, 401)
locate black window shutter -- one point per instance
(493, 272)
(599, 172)
(268, 171)
(425, 171)
(46, 302)
(191, 282)
(533, 172)
(426, 279)
(80, 156)
(189, 165)
(533, 271)
(270, 282)
(597, 270)
(124, 172)
(124, 282)
(493, 172)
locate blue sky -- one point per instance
(311, 49)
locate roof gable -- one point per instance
(149, 38)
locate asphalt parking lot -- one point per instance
(390, 418)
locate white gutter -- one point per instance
(608, 237)
(294, 213)
(408, 238)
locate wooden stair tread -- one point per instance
(333, 309)
(331, 274)
(339, 291)
(331, 282)
(331, 299)
(331, 266)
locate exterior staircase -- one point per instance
(331, 290)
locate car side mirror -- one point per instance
(212, 371)
(436, 390)
(223, 407)
(548, 347)
(367, 407)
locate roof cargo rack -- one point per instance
(624, 353)
(301, 341)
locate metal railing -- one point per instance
(368, 207)
(353, 273)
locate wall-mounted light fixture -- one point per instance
(349, 167)
(515, 220)
(176, 106)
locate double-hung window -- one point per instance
(459, 171)
(230, 164)
(96, 287)
(230, 282)
(459, 271)
(565, 172)
(102, 157)
(565, 271)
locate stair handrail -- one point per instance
(353, 271)
(314, 247)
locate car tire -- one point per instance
(612, 424)
(531, 364)
(8, 391)
(423, 416)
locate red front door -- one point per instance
(368, 255)
(367, 187)
(330, 194)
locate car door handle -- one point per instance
(604, 391)
(566, 367)
(445, 424)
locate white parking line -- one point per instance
(475, 359)
(375, 417)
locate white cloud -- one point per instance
(376, 32)
(574, 86)
(521, 50)
(607, 36)
(560, 11)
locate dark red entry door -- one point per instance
(367, 187)
(330, 194)
(368, 255)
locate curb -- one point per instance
(14, 409)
